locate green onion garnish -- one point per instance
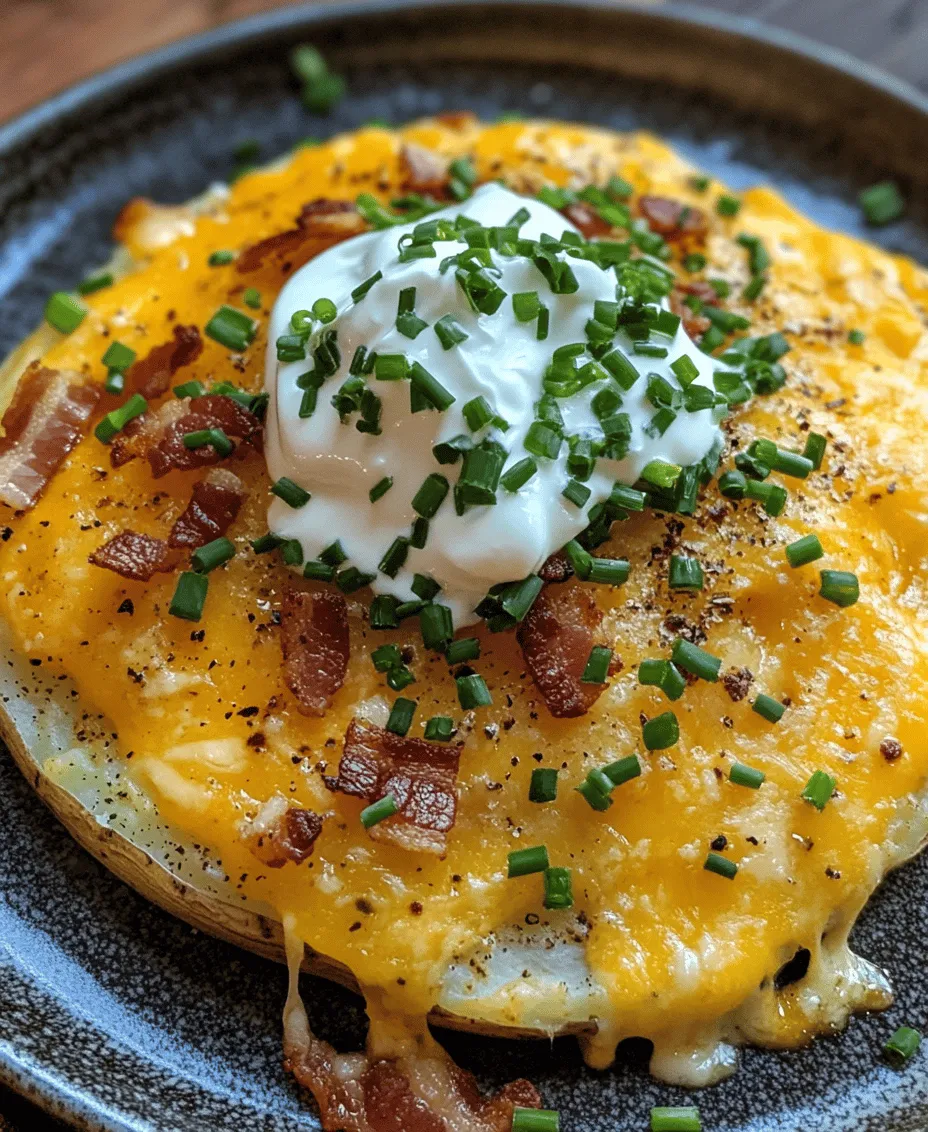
(291, 552)
(768, 708)
(291, 493)
(814, 449)
(727, 205)
(95, 283)
(334, 554)
(400, 678)
(623, 770)
(542, 439)
(220, 258)
(522, 862)
(118, 357)
(685, 1118)
(596, 789)
(209, 436)
(116, 420)
(478, 413)
(324, 310)
(318, 571)
(900, 1047)
(189, 596)
(419, 533)
(231, 328)
(661, 732)
(394, 557)
(64, 312)
(597, 667)
(360, 291)
(473, 692)
(265, 543)
(450, 333)
(440, 729)
(436, 626)
(840, 587)
(804, 550)
(430, 495)
(661, 474)
(385, 657)
(535, 1120)
(662, 674)
(115, 382)
(380, 488)
(754, 288)
(716, 863)
(576, 493)
(685, 573)
(770, 495)
(685, 369)
(543, 786)
(213, 554)
(558, 892)
(695, 261)
(882, 203)
(251, 297)
(742, 775)
(819, 789)
(378, 811)
(383, 612)
(608, 571)
(695, 660)
(856, 337)
(519, 474)
(401, 716)
(463, 650)
(430, 387)
(526, 305)
(189, 389)
(351, 579)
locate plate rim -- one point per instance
(32, 1081)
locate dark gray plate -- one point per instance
(119, 1017)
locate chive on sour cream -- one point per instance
(499, 362)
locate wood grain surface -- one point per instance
(48, 44)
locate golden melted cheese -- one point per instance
(673, 946)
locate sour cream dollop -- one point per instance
(503, 361)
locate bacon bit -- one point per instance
(457, 119)
(159, 435)
(585, 217)
(423, 170)
(357, 1093)
(737, 682)
(282, 833)
(694, 324)
(421, 776)
(891, 749)
(556, 569)
(556, 637)
(135, 556)
(321, 224)
(211, 511)
(151, 375)
(41, 426)
(672, 219)
(314, 639)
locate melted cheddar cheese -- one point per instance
(203, 718)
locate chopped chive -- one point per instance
(661, 732)
(754, 288)
(333, 554)
(881, 203)
(430, 495)
(220, 258)
(383, 612)
(523, 862)
(189, 596)
(231, 328)
(400, 678)
(390, 367)
(265, 543)
(840, 587)
(685, 369)
(695, 660)
(856, 337)
(64, 312)
(814, 449)
(394, 557)
(118, 357)
(318, 571)
(324, 310)
(436, 626)
(662, 674)
(291, 348)
(450, 332)
(189, 389)
(291, 551)
(360, 291)
(526, 305)
(519, 474)
(380, 488)
(351, 579)
(597, 667)
(430, 387)
(473, 692)
(716, 863)
(401, 716)
(727, 205)
(819, 789)
(535, 1120)
(576, 493)
(291, 493)
(115, 382)
(683, 1118)
(463, 650)
(695, 261)
(768, 708)
(544, 322)
(116, 420)
(419, 533)
(425, 587)
(804, 550)
(685, 573)
(478, 413)
(440, 729)
(733, 484)
(558, 892)
(480, 474)
(581, 560)
(595, 789)
(212, 554)
(771, 496)
(742, 775)
(209, 436)
(661, 474)
(623, 770)
(377, 811)
(902, 1045)
(95, 283)
(543, 786)
(409, 608)
(542, 439)
(385, 657)
(251, 297)
(519, 597)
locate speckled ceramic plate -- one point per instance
(112, 1014)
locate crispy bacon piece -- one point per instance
(321, 224)
(423, 170)
(694, 324)
(135, 556)
(43, 423)
(421, 776)
(282, 833)
(556, 637)
(151, 375)
(314, 639)
(211, 511)
(556, 569)
(585, 217)
(672, 219)
(457, 119)
(159, 435)
(357, 1093)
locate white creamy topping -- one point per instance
(503, 361)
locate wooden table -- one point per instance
(48, 44)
